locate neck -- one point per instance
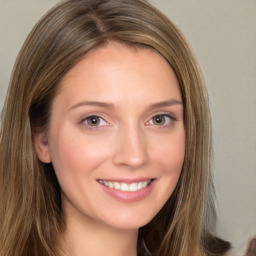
(93, 238)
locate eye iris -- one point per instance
(93, 120)
(159, 120)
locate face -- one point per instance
(116, 136)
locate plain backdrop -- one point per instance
(223, 36)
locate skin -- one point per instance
(125, 142)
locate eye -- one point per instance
(94, 121)
(161, 120)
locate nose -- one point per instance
(131, 148)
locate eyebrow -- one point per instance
(112, 106)
(93, 103)
(166, 103)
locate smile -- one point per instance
(125, 186)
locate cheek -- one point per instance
(76, 161)
(169, 158)
(75, 155)
(170, 153)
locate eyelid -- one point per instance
(86, 117)
(166, 115)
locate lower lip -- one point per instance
(129, 196)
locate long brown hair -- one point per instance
(30, 208)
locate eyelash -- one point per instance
(171, 118)
(85, 120)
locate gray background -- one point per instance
(223, 36)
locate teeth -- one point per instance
(116, 185)
(133, 187)
(124, 186)
(144, 184)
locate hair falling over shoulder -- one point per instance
(30, 204)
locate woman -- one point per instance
(105, 136)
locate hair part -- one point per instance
(30, 207)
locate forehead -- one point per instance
(130, 70)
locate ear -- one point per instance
(42, 147)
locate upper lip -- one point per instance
(126, 180)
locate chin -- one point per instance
(127, 221)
